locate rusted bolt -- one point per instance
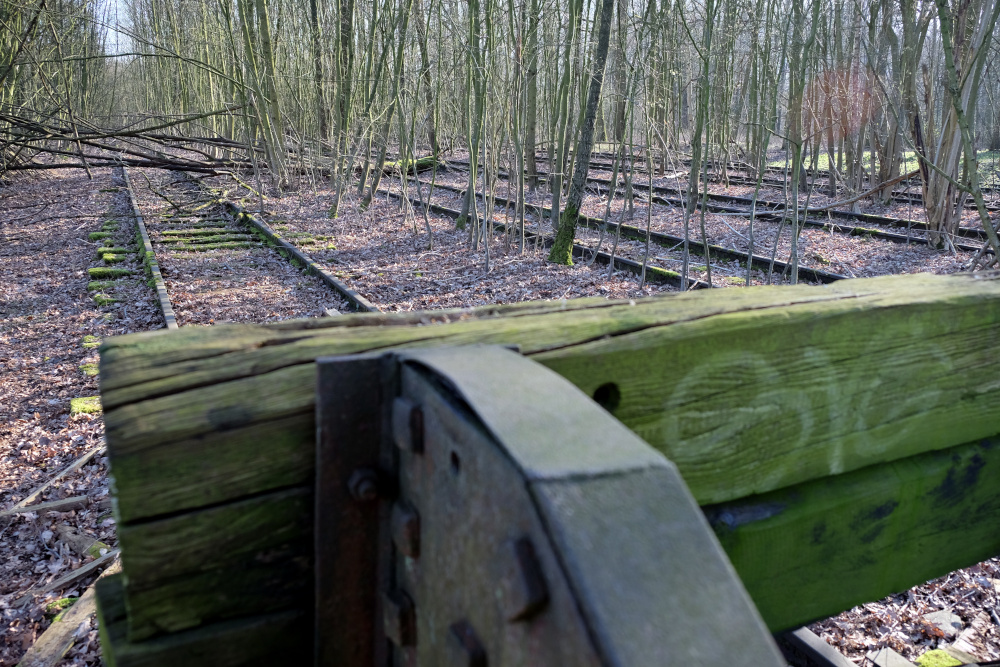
(464, 647)
(408, 425)
(364, 485)
(522, 584)
(399, 618)
(406, 529)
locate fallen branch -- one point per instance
(76, 575)
(76, 465)
(868, 193)
(59, 637)
(64, 505)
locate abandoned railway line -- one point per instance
(770, 210)
(667, 242)
(205, 255)
(968, 239)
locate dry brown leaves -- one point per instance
(45, 312)
(896, 622)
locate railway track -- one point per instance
(775, 212)
(607, 159)
(775, 179)
(208, 260)
(652, 273)
(667, 241)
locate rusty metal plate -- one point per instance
(524, 526)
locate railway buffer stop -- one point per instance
(666, 481)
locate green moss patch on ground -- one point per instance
(86, 405)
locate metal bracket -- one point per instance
(474, 508)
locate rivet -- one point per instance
(408, 425)
(406, 529)
(399, 619)
(522, 583)
(364, 485)
(464, 647)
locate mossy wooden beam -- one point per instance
(814, 549)
(746, 390)
(217, 563)
(274, 639)
(194, 231)
(215, 238)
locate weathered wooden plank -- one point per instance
(745, 390)
(274, 639)
(59, 637)
(227, 561)
(216, 467)
(150, 364)
(215, 537)
(818, 548)
(138, 360)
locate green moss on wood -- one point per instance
(85, 406)
(91, 342)
(104, 300)
(113, 258)
(103, 272)
(938, 658)
(219, 562)
(656, 274)
(89, 370)
(204, 247)
(60, 605)
(412, 166)
(199, 240)
(814, 408)
(97, 236)
(871, 527)
(195, 231)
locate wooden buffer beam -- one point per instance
(411, 496)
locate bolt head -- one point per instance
(408, 425)
(464, 648)
(364, 485)
(406, 529)
(523, 590)
(399, 618)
